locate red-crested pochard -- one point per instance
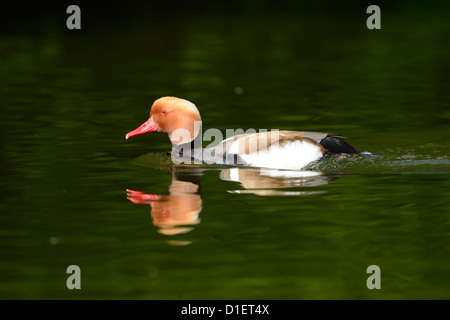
(293, 150)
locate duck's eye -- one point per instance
(164, 112)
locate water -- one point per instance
(75, 192)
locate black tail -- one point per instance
(335, 144)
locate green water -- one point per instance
(69, 97)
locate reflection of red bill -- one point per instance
(140, 197)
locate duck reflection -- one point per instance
(177, 212)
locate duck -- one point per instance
(276, 149)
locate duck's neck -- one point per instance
(191, 149)
(184, 131)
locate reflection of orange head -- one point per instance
(171, 211)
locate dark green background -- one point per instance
(68, 98)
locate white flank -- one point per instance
(292, 156)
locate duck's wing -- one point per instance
(281, 149)
(248, 143)
(274, 149)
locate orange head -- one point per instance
(177, 117)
